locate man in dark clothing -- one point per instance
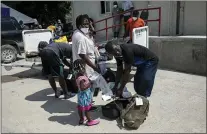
(138, 56)
(53, 56)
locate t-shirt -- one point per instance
(131, 24)
(126, 6)
(61, 49)
(116, 11)
(82, 44)
(134, 55)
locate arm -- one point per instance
(125, 77)
(119, 72)
(85, 58)
(127, 29)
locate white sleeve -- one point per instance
(130, 4)
(81, 47)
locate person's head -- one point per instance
(79, 67)
(82, 23)
(21, 22)
(135, 15)
(113, 48)
(115, 4)
(42, 45)
(144, 15)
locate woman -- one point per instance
(83, 48)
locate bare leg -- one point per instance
(52, 83)
(63, 85)
(88, 116)
(81, 117)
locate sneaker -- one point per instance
(93, 122)
(69, 95)
(106, 97)
(57, 94)
(93, 108)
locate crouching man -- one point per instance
(138, 56)
(53, 58)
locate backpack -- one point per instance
(133, 116)
(130, 115)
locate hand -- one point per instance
(119, 93)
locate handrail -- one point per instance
(106, 24)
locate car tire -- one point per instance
(8, 53)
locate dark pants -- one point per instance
(144, 78)
(125, 20)
(51, 63)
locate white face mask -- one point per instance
(134, 18)
(85, 30)
(115, 6)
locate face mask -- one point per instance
(115, 6)
(134, 18)
(85, 30)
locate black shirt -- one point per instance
(135, 53)
(61, 49)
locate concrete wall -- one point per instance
(185, 54)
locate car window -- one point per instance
(7, 26)
(16, 24)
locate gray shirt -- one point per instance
(115, 12)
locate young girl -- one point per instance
(84, 94)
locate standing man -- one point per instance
(138, 56)
(53, 56)
(127, 6)
(133, 22)
(116, 19)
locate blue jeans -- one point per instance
(144, 78)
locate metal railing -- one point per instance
(106, 22)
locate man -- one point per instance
(53, 56)
(117, 19)
(138, 56)
(127, 6)
(133, 22)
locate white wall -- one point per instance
(195, 18)
(193, 11)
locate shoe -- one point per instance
(69, 95)
(93, 108)
(57, 94)
(106, 97)
(82, 121)
(93, 122)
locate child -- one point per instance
(84, 94)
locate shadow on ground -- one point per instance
(53, 105)
(30, 73)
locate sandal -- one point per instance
(93, 122)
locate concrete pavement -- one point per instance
(177, 105)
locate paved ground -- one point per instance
(178, 105)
